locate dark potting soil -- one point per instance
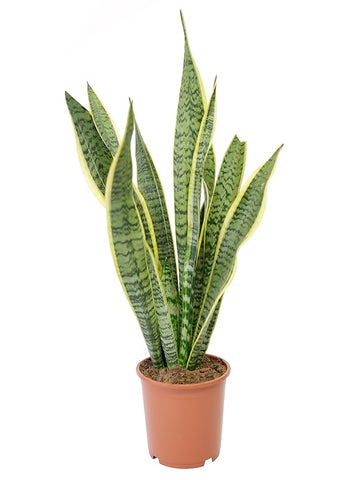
(209, 369)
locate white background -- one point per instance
(67, 411)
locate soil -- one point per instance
(209, 369)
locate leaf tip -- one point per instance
(278, 150)
(215, 83)
(184, 26)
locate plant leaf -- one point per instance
(199, 273)
(172, 297)
(128, 244)
(94, 156)
(193, 225)
(146, 221)
(190, 111)
(150, 187)
(166, 326)
(209, 171)
(227, 188)
(103, 122)
(207, 336)
(242, 217)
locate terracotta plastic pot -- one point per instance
(184, 422)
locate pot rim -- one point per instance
(187, 386)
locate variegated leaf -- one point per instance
(202, 147)
(209, 171)
(165, 320)
(207, 336)
(199, 270)
(146, 220)
(150, 187)
(227, 188)
(241, 220)
(172, 297)
(128, 244)
(103, 122)
(190, 111)
(94, 156)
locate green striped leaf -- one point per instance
(227, 188)
(128, 244)
(190, 112)
(172, 297)
(240, 222)
(210, 328)
(207, 336)
(94, 156)
(209, 171)
(150, 187)
(208, 180)
(146, 221)
(193, 225)
(199, 270)
(166, 326)
(103, 122)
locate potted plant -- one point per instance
(176, 304)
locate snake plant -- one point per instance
(176, 303)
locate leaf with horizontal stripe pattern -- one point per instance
(190, 112)
(227, 188)
(199, 269)
(152, 191)
(94, 156)
(149, 185)
(240, 221)
(172, 297)
(209, 171)
(146, 220)
(165, 320)
(128, 244)
(193, 224)
(103, 122)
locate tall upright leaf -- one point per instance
(193, 225)
(128, 244)
(199, 270)
(227, 188)
(150, 187)
(95, 158)
(190, 111)
(240, 221)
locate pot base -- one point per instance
(173, 465)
